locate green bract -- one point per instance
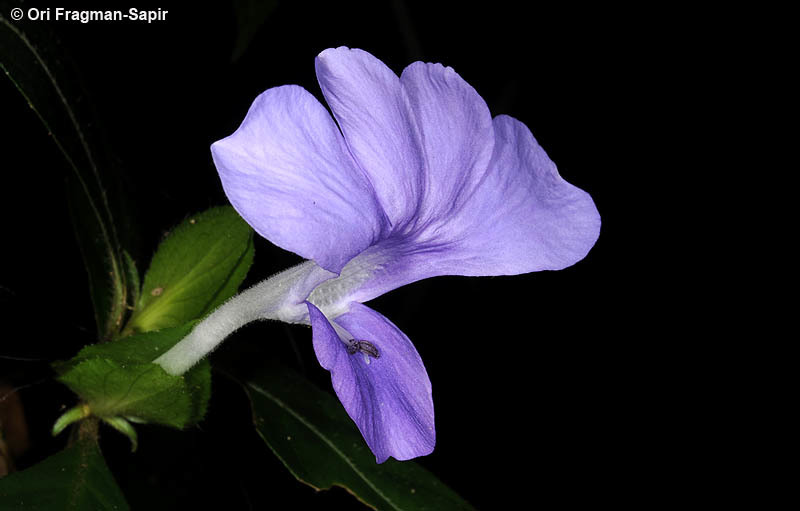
(118, 379)
(196, 268)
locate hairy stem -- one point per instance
(279, 297)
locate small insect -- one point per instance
(365, 347)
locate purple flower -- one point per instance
(417, 180)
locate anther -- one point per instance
(365, 347)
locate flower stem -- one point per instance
(279, 297)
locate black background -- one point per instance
(542, 383)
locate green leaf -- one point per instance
(313, 436)
(118, 379)
(135, 349)
(140, 390)
(77, 478)
(200, 265)
(32, 60)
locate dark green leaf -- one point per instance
(312, 435)
(250, 16)
(107, 285)
(119, 379)
(200, 265)
(32, 61)
(134, 282)
(77, 478)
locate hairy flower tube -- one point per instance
(411, 178)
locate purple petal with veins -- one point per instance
(386, 391)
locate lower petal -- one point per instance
(388, 396)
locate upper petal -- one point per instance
(288, 173)
(521, 217)
(389, 397)
(372, 110)
(524, 216)
(456, 135)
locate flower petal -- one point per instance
(372, 110)
(389, 397)
(456, 134)
(522, 217)
(288, 172)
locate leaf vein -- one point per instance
(325, 439)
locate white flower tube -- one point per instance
(280, 297)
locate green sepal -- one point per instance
(124, 427)
(74, 414)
